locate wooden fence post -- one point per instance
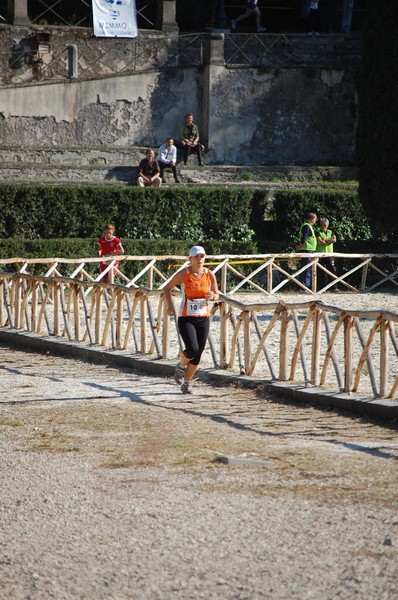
(166, 327)
(269, 276)
(383, 358)
(98, 315)
(2, 291)
(314, 275)
(143, 338)
(119, 319)
(224, 278)
(247, 340)
(76, 310)
(284, 344)
(56, 301)
(224, 320)
(348, 328)
(34, 299)
(316, 347)
(16, 287)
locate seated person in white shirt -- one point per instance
(167, 158)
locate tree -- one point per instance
(377, 134)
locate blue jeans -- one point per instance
(306, 276)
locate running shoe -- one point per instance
(187, 388)
(233, 24)
(179, 374)
(261, 30)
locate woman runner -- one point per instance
(198, 286)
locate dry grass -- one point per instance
(9, 421)
(314, 454)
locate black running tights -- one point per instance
(194, 332)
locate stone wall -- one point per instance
(135, 110)
(282, 116)
(271, 115)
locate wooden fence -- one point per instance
(307, 343)
(264, 273)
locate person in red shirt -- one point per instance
(198, 287)
(108, 245)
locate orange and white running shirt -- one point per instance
(194, 291)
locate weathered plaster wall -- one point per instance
(291, 116)
(287, 115)
(282, 116)
(142, 109)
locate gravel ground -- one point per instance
(112, 488)
(370, 301)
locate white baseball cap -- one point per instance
(195, 250)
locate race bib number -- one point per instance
(197, 307)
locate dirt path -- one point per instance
(112, 488)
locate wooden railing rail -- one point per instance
(308, 343)
(264, 273)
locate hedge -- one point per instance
(173, 218)
(343, 209)
(86, 247)
(82, 211)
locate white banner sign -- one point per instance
(115, 18)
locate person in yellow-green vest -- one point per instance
(307, 244)
(325, 239)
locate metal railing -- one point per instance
(127, 56)
(283, 50)
(155, 52)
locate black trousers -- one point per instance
(163, 166)
(329, 263)
(187, 150)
